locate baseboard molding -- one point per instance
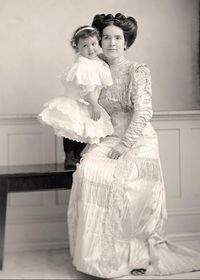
(183, 211)
(190, 240)
(186, 236)
(34, 246)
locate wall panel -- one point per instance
(39, 219)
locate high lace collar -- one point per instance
(118, 63)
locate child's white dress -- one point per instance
(70, 115)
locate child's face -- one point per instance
(88, 47)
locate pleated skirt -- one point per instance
(117, 214)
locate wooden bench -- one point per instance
(29, 178)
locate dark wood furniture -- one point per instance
(29, 178)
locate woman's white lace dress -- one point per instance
(117, 211)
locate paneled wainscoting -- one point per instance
(38, 220)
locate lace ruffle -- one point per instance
(141, 96)
(88, 75)
(71, 119)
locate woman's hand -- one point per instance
(96, 112)
(117, 151)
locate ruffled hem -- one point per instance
(71, 119)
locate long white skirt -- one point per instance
(117, 213)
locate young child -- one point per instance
(77, 115)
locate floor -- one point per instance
(56, 264)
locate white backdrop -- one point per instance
(35, 48)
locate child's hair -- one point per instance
(83, 32)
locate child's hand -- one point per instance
(96, 113)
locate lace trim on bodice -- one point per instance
(117, 97)
(130, 93)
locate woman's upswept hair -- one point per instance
(127, 24)
(83, 32)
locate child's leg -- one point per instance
(69, 147)
(78, 149)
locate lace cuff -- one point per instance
(142, 100)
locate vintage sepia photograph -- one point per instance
(99, 139)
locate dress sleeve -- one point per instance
(141, 97)
(83, 76)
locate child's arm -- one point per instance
(92, 99)
(102, 57)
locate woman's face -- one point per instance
(113, 42)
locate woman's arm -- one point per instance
(142, 100)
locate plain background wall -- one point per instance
(34, 48)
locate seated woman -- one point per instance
(117, 211)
